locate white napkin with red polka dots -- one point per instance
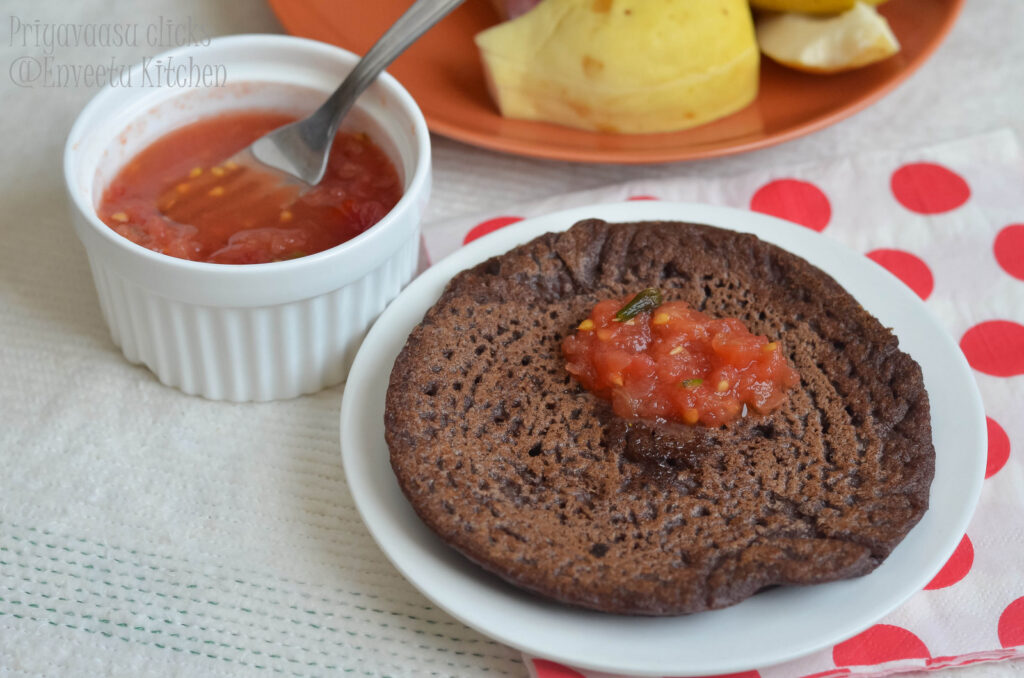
(948, 220)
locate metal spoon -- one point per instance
(300, 149)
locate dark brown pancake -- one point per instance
(512, 463)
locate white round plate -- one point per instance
(771, 627)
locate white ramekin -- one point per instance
(261, 331)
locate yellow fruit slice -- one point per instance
(855, 38)
(623, 66)
(809, 6)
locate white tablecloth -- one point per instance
(144, 532)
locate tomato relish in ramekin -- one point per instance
(248, 309)
(185, 196)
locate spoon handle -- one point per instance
(407, 29)
(299, 151)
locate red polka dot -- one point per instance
(1009, 249)
(641, 197)
(910, 269)
(1011, 624)
(998, 447)
(546, 669)
(956, 568)
(879, 644)
(797, 201)
(995, 347)
(485, 227)
(927, 188)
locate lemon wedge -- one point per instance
(829, 44)
(809, 6)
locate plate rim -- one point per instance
(670, 154)
(495, 243)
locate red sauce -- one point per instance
(179, 197)
(675, 362)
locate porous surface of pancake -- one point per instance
(514, 464)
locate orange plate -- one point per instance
(443, 73)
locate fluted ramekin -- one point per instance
(258, 331)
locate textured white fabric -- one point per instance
(146, 533)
